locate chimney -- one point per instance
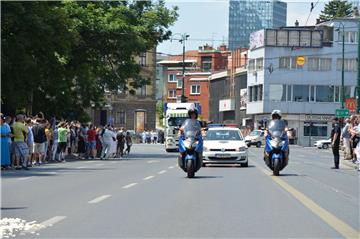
(222, 47)
(318, 21)
(296, 23)
(200, 48)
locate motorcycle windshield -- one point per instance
(191, 128)
(277, 128)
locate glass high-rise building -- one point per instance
(247, 16)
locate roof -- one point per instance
(223, 128)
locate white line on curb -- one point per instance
(129, 185)
(24, 178)
(161, 172)
(99, 199)
(147, 178)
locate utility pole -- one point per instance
(358, 73)
(183, 39)
(342, 68)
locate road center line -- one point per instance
(129, 185)
(171, 167)
(162, 171)
(334, 222)
(81, 167)
(50, 222)
(99, 199)
(150, 177)
(100, 164)
(24, 178)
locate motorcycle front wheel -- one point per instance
(276, 170)
(190, 168)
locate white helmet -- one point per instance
(276, 112)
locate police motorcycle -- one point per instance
(276, 145)
(190, 146)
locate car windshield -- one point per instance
(176, 121)
(255, 133)
(223, 135)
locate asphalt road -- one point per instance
(147, 195)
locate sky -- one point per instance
(206, 21)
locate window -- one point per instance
(256, 93)
(121, 117)
(141, 91)
(172, 94)
(260, 98)
(172, 78)
(324, 93)
(142, 59)
(319, 64)
(312, 93)
(349, 64)
(317, 129)
(251, 65)
(301, 93)
(277, 92)
(259, 64)
(289, 92)
(325, 64)
(250, 93)
(284, 63)
(179, 83)
(206, 63)
(195, 90)
(350, 37)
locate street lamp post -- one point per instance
(342, 66)
(182, 40)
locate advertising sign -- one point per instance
(257, 39)
(350, 104)
(226, 105)
(243, 99)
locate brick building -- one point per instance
(199, 65)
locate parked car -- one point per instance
(323, 144)
(256, 137)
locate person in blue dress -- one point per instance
(5, 135)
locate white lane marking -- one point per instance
(171, 167)
(81, 167)
(50, 222)
(99, 164)
(147, 178)
(161, 172)
(24, 178)
(153, 161)
(99, 199)
(129, 185)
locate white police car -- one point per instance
(225, 145)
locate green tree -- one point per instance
(59, 57)
(336, 8)
(160, 112)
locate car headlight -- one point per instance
(169, 141)
(241, 149)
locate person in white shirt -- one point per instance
(107, 139)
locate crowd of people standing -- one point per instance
(31, 141)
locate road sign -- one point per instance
(342, 113)
(350, 104)
(300, 60)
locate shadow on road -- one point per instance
(207, 177)
(227, 166)
(13, 208)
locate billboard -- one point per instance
(243, 99)
(257, 39)
(226, 105)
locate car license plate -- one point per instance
(222, 155)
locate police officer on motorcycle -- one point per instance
(276, 115)
(193, 115)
